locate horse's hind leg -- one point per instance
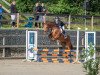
(68, 43)
(63, 44)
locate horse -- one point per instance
(56, 34)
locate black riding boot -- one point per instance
(64, 33)
(13, 24)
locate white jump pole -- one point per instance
(26, 44)
(77, 49)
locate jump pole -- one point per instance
(77, 49)
(26, 44)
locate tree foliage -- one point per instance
(24, 5)
(60, 6)
(64, 7)
(95, 5)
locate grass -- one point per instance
(95, 28)
(73, 27)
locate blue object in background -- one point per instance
(90, 38)
(30, 22)
(31, 39)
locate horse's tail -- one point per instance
(69, 42)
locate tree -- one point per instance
(60, 6)
(95, 5)
(64, 7)
(25, 5)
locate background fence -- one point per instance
(71, 21)
(13, 41)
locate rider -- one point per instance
(60, 24)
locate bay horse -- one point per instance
(56, 34)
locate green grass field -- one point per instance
(72, 27)
(82, 27)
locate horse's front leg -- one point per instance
(51, 37)
(63, 44)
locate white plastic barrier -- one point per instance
(31, 44)
(90, 38)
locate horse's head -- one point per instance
(48, 25)
(45, 27)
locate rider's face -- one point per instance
(56, 20)
(14, 3)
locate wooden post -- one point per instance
(3, 55)
(82, 41)
(69, 21)
(17, 20)
(92, 27)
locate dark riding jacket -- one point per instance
(60, 23)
